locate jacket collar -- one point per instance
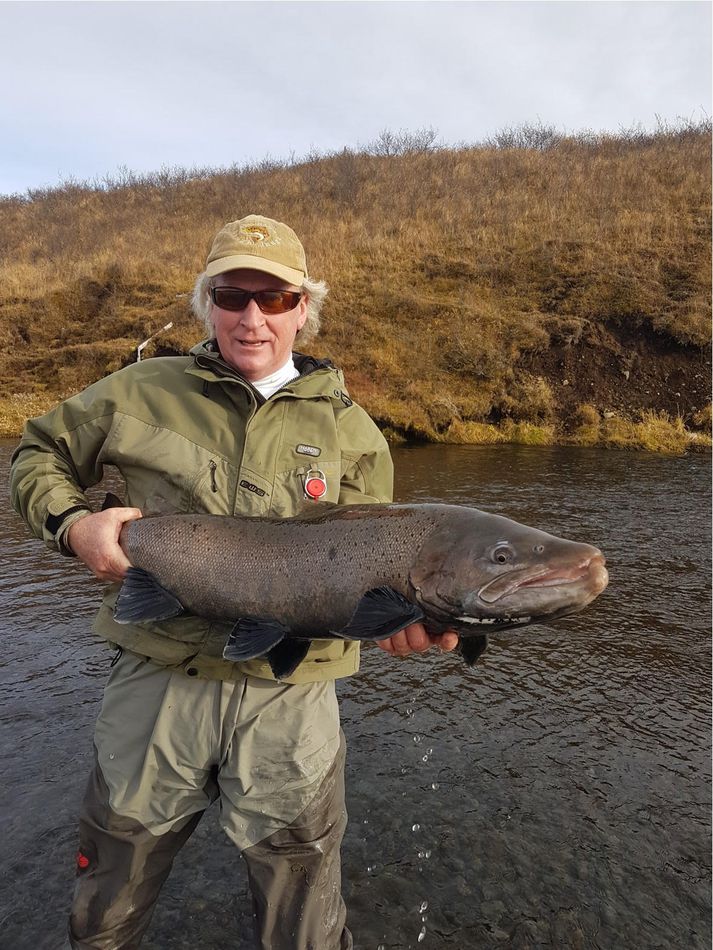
(320, 376)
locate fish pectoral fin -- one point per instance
(142, 598)
(287, 656)
(472, 648)
(251, 637)
(381, 613)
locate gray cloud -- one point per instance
(93, 86)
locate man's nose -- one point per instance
(252, 315)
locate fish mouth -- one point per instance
(590, 568)
(492, 621)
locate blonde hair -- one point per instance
(315, 291)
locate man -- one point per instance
(235, 428)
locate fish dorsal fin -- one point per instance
(251, 637)
(141, 598)
(381, 613)
(112, 501)
(310, 510)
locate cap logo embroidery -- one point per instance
(257, 234)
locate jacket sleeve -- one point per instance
(58, 457)
(367, 469)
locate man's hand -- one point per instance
(414, 639)
(95, 540)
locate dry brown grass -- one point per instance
(17, 408)
(655, 431)
(451, 269)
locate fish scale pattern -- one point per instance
(309, 572)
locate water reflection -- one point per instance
(560, 788)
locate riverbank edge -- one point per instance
(659, 434)
(654, 432)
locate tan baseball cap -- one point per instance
(258, 243)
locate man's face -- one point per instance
(255, 343)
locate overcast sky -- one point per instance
(89, 87)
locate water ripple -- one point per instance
(561, 787)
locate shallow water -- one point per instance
(556, 795)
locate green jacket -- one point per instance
(191, 431)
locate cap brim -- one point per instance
(250, 262)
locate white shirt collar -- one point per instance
(281, 377)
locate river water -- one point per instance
(556, 795)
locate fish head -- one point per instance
(485, 572)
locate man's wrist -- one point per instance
(66, 520)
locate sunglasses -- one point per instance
(269, 301)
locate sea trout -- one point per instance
(358, 572)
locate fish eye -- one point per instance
(502, 554)
(539, 549)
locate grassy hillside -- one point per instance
(535, 288)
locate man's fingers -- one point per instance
(122, 515)
(449, 641)
(399, 644)
(415, 639)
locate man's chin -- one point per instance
(252, 362)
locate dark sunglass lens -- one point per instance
(277, 301)
(230, 298)
(269, 301)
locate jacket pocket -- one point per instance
(210, 488)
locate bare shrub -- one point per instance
(535, 136)
(389, 143)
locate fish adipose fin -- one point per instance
(472, 648)
(381, 613)
(251, 637)
(142, 598)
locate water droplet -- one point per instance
(417, 739)
(366, 821)
(424, 906)
(404, 770)
(409, 711)
(111, 755)
(422, 935)
(435, 786)
(425, 758)
(424, 918)
(428, 854)
(429, 751)
(416, 827)
(421, 855)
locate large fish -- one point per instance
(358, 572)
